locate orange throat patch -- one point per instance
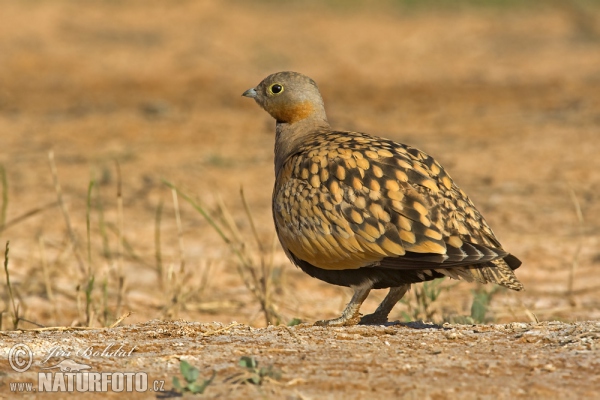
(295, 113)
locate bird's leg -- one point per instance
(350, 316)
(380, 315)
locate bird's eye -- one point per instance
(276, 88)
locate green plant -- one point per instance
(479, 312)
(191, 375)
(88, 301)
(424, 297)
(481, 303)
(253, 374)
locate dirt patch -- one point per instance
(410, 361)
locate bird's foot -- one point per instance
(351, 314)
(374, 319)
(341, 321)
(380, 316)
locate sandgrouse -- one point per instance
(366, 212)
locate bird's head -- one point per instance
(289, 97)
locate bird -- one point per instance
(365, 212)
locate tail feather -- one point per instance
(499, 272)
(512, 261)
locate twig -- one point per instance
(211, 333)
(120, 319)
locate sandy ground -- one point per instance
(413, 361)
(508, 99)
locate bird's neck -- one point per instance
(289, 137)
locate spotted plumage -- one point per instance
(366, 212)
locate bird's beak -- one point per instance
(250, 93)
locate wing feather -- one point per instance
(347, 200)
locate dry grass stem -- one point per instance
(258, 280)
(65, 213)
(575, 262)
(120, 319)
(78, 328)
(120, 276)
(157, 246)
(11, 295)
(217, 331)
(27, 215)
(262, 283)
(88, 227)
(4, 205)
(89, 311)
(47, 279)
(179, 231)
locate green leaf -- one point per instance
(294, 322)
(255, 379)
(248, 362)
(184, 367)
(195, 388)
(177, 384)
(271, 372)
(189, 372)
(206, 382)
(193, 374)
(481, 302)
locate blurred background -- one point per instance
(103, 104)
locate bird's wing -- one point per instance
(347, 200)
